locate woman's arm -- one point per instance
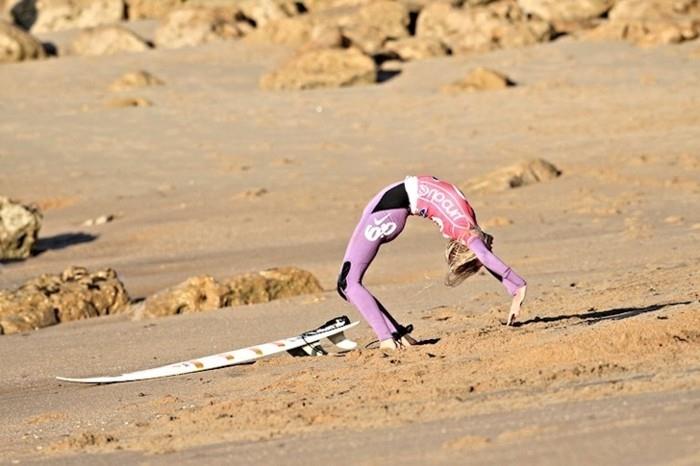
(513, 282)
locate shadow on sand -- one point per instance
(593, 316)
(62, 241)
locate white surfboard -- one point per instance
(305, 343)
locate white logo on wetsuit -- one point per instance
(438, 198)
(380, 229)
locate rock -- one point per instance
(125, 102)
(480, 79)
(566, 10)
(204, 293)
(151, 9)
(101, 220)
(19, 228)
(515, 176)
(271, 284)
(16, 45)
(651, 22)
(325, 36)
(54, 15)
(416, 48)
(191, 26)
(196, 294)
(322, 68)
(107, 40)
(500, 24)
(51, 299)
(264, 11)
(135, 79)
(325, 5)
(375, 23)
(292, 32)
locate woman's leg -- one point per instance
(374, 229)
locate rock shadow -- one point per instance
(592, 316)
(62, 241)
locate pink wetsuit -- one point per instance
(383, 220)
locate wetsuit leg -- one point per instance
(373, 230)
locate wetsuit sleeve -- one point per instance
(507, 276)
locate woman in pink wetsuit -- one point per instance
(383, 220)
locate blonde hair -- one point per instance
(462, 263)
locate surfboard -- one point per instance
(306, 343)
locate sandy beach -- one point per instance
(220, 177)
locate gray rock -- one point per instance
(19, 228)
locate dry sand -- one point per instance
(219, 177)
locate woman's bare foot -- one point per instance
(390, 344)
(518, 299)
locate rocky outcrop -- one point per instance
(481, 28)
(151, 9)
(292, 32)
(271, 284)
(515, 176)
(204, 293)
(51, 299)
(196, 294)
(135, 79)
(19, 229)
(322, 68)
(415, 48)
(480, 79)
(107, 40)
(566, 10)
(651, 22)
(54, 15)
(262, 12)
(191, 26)
(374, 24)
(16, 45)
(258, 11)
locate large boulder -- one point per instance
(271, 284)
(53, 15)
(375, 23)
(650, 22)
(515, 176)
(474, 29)
(50, 299)
(204, 293)
(263, 11)
(292, 31)
(322, 68)
(479, 79)
(196, 294)
(19, 229)
(566, 10)
(191, 26)
(107, 40)
(17, 45)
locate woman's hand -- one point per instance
(518, 299)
